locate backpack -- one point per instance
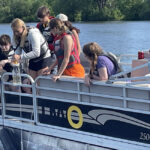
(114, 59)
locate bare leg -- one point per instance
(40, 72)
(33, 74)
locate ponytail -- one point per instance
(93, 64)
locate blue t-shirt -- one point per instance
(104, 61)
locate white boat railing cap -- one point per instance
(22, 75)
(49, 77)
(71, 79)
(63, 78)
(81, 80)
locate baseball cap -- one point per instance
(62, 17)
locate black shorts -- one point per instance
(38, 65)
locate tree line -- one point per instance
(77, 10)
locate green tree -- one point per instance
(72, 8)
(77, 10)
(130, 8)
(145, 10)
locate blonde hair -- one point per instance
(18, 23)
(92, 51)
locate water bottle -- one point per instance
(16, 74)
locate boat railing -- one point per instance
(10, 105)
(73, 90)
(126, 56)
(52, 101)
(130, 70)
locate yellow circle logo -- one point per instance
(80, 123)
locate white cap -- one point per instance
(62, 17)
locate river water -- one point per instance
(119, 37)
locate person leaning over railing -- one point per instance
(66, 51)
(34, 45)
(101, 66)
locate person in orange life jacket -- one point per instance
(66, 51)
(73, 29)
(43, 14)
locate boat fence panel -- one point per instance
(141, 96)
(121, 95)
(138, 94)
(102, 94)
(68, 90)
(80, 107)
(17, 104)
(61, 89)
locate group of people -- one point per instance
(53, 47)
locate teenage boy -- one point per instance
(43, 14)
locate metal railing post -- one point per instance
(124, 98)
(34, 102)
(3, 102)
(78, 87)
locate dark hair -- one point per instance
(58, 24)
(5, 39)
(70, 27)
(42, 12)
